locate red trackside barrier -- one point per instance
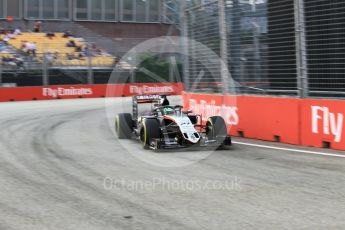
(86, 91)
(323, 123)
(307, 122)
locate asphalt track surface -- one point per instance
(62, 168)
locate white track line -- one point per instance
(289, 149)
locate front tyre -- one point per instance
(216, 129)
(149, 132)
(124, 125)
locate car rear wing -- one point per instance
(144, 99)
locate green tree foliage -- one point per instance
(155, 69)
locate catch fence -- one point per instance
(266, 47)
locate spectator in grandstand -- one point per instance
(67, 34)
(23, 46)
(19, 61)
(95, 51)
(80, 56)
(99, 53)
(50, 35)
(86, 51)
(69, 57)
(50, 58)
(37, 27)
(15, 61)
(56, 55)
(7, 38)
(71, 43)
(17, 31)
(2, 31)
(78, 49)
(31, 48)
(9, 61)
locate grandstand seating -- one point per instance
(5, 51)
(57, 44)
(5, 55)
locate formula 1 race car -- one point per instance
(167, 126)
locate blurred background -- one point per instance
(269, 47)
(61, 42)
(279, 47)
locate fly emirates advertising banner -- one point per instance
(296, 121)
(323, 121)
(87, 91)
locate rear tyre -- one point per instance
(216, 129)
(124, 125)
(149, 132)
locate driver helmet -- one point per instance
(164, 100)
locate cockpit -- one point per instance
(170, 111)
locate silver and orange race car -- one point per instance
(166, 126)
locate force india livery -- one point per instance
(166, 126)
